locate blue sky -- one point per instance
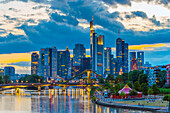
(28, 25)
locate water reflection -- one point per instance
(54, 101)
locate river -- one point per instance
(53, 101)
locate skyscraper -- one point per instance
(100, 54)
(96, 51)
(34, 63)
(91, 36)
(140, 59)
(63, 62)
(79, 52)
(132, 54)
(134, 65)
(48, 62)
(108, 62)
(122, 55)
(9, 70)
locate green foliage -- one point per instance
(142, 78)
(161, 78)
(134, 75)
(122, 85)
(117, 87)
(133, 93)
(155, 89)
(144, 88)
(166, 97)
(112, 90)
(91, 93)
(101, 80)
(99, 89)
(137, 86)
(93, 88)
(150, 91)
(107, 85)
(7, 79)
(164, 91)
(94, 98)
(32, 79)
(129, 84)
(121, 78)
(110, 77)
(1, 80)
(122, 94)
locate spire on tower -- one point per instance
(92, 16)
(118, 33)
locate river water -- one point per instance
(53, 101)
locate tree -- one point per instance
(137, 86)
(133, 75)
(110, 77)
(122, 94)
(7, 79)
(155, 89)
(129, 84)
(150, 91)
(107, 85)
(133, 93)
(112, 90)
(1, 80)
(161, 78)
(166, 97)
(142, 78)
(122, 85)
(144, 88)
(101, 80)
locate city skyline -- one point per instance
(18, 41)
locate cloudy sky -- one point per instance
(28, 25)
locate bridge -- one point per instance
(64, 85)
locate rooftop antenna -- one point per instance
(92, 16)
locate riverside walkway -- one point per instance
(101, 100)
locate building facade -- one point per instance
(134, 64)
(100, 55)
(9, 71)
(122, 55)
(140, 60)
(79, 52)
(48, 62)
(132, 54)
(63, 63)
(34, 63)
(108, 60)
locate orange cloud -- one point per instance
(147, 47)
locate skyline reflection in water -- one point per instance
(53, 101)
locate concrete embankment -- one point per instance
(134, 107)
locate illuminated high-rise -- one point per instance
(9, 70)
(63, 63)
(132, 54)
(108, 62)
(34, 63)
(79, 52)
(134, 65)
(91, 36)
(100, 54)
(48, 62)
(140, 60)
(122, 55)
